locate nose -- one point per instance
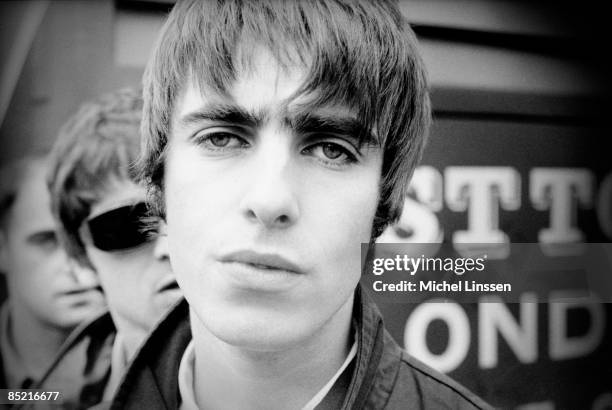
(270, 198)
(83, 275)
(160, 246)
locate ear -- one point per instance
(4, 252)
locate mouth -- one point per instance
(169, 286)
(262, 261)
(80, 291)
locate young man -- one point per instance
(104, 222)
(278, 137)
(49, 294)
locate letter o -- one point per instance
(415, 334)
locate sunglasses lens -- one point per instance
(121, 228)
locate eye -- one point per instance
(220, 141)
(331, 153)
(45, 240)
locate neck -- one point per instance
(132, 336)
(229, 376)
(36, 342)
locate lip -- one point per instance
(80, 291)
(166, 285)
(262, 261)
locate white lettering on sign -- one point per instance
(560, 190)
(495, 324)
(418, 223)
(415, 335)
(521, 335)
(482, 191)
(561, 345)
(427, 185)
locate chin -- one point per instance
(260, 333)
(163, 301)
(260, 340)
(67, 322)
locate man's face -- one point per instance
(137, 281)
(41, 279)
(267, 204)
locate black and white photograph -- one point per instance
(305, 204)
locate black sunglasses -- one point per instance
(120, 228)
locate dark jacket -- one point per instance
(90, 345)
(383, 375)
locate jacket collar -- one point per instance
(151, 381)
(368, 324)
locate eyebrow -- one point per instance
(222, 113)
(302, 122)
(319, 123)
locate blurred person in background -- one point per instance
(104, 224)
(49, 294)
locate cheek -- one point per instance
(187, 198)
(342, 222)
(344, 208)
(101, 262)
(197, 197)
(32, 279)
(32, 266)
(25, 259)
(114, 273)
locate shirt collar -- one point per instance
(119, 362)
(318, 398)
(369, 328)
(185, 379)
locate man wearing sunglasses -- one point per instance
(104, 220)
(279, 136)
(49, 294)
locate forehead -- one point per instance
(31, 210)
(263, 86)
(263, 82)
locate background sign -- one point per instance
(498, 179)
